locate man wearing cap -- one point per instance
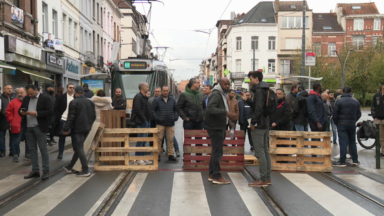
(81, 116)
(87, 93)
(50, 92)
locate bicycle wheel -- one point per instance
(366, 143)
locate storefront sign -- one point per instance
(88, 70)
(310, 59)
(17, 14)
(13, 45)
(72, 66)
(2, 56)
(55, 60)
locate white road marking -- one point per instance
(11, 182)
(371, 186)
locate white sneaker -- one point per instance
(148, 162)
(140, 162)
(349, 156)
(337, 156)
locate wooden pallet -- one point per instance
(285, 144)
(251, 160)
(232, 160)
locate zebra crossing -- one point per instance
(189, 193)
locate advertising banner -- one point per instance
(17, 14)
(93, 85)
(88, 70)
(2, 56)
(53, 43)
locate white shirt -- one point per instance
(65, 114)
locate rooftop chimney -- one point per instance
(233, 15)
(277, 5)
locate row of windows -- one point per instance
(358, 24)
(255, 43)
(271, 65)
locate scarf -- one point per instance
(314, 93)
(224, 97)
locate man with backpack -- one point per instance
(300, 113)
(263, 106)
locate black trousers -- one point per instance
(217, 140)
(245, 128)
(78, 146)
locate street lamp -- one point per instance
(343, 66)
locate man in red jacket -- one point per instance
(13, 117)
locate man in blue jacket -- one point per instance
(317, 116)
(164, 112)
(345, 115)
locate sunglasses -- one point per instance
(71, 87)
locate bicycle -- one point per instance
(365, 142)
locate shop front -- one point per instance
(72, 73)
(55, 67)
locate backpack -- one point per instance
(271, 103)
(303, 106)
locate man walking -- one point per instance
(5, 98)
(292, 100)
(377, 111)
(13, 117)
(345, 115)
(141, 115)
(50, 92)
(61, 115)
(81, 116)
(300, 114)
(164, 112)
(119, 103)
(233, 107)
(245, 113)
(317, 115)
(218, 116)
(36, 110)
(87, 93)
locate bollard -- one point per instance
(377, 142)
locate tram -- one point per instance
(127, 74)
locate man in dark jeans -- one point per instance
(80, 119)
(5, 98)
(218, 116)
(245, 112)
(345, 115)
(292, 100)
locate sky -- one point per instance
(173, 25)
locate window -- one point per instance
(285, 67)
(90, 42)
(70, 32)
(64, 23)
(74, 34)
(256, 64)
(255, 42)
(317, 48)
(93, 10)
(238, 43)
(377, 24)
(82, 49)
(54, 23)
(293, 7)
(98, 45)
(238, 65)
(98, 14)
(356, 7)
(374, 40)
(134, 46)
(271, 43)
(327, 28)
(271, 66)
(294, 22)
(358, 42)
(45, 17)
(331, 48)
(101, 15)
(293, 43)
(16, 3)
(358, 24)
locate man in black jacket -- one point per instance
(153, 122)
(87, 93)
(164, 112)
(217, 117)
(292, 100)
(317, 116)
(36, 110)
(50, 92)
(300, 113)
(119, 103)
(281, 118)
(5, 98)
(141, 115)
(245, 112)
(81, 116)
(345, 115)
(377, 111)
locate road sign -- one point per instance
(310, 59)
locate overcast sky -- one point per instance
(173, 24)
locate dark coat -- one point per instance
(346, 111)
(119, 104)
(216, 115)
(258, 104)
(300, 114)
(282, 116)
(316, 111)
(81, 115)
(245, 112)
(4, 125)
(60, 106)
(52, 119)
(44, 109)
(191, 105)
(377, 107)
(164, 112)
(292, 100)
(141, 112)
(88, 94)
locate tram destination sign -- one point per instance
(135, 65)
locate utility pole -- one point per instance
(303, 42)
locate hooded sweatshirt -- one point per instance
(216, 117)
(101, 103)
(191, 105)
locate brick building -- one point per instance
(222, 26)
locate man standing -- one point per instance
(345, 115)
(233, 107)
(50, 92)
(153, 121)
(119, 103)
(317, 116)
(80, 119)
(377, 111)
(87, 93)
(216, 122)
(260, 127)
(5, 98)
(281, 118)
(13, 117)
(291, 99)
(61, 114)
(141, 115)
(36, 110)
(245, 112)
(300, 113)
(164, 112)
(208, 91)
(331, 100)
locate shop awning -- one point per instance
(34, 74)
(7, 69)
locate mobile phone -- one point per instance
(23, 109)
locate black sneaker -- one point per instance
(339, 164)
(60, 156)
(83, 174)
(252, 149)
(171, 158)
(10, 154)
(68, 169)
(357, 163)
(2, 154)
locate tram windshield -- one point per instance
(131, 83)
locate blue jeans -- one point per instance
(301, 127)
(334, 131)
(61, 138)
(15, 137)
(2, 140)
(347, 138)
(142, 144)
